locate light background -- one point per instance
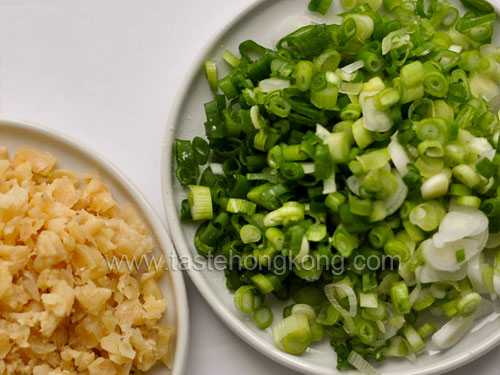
(106, 73)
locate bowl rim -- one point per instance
(183, 250)
(161, 235)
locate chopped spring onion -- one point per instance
(466, 175)
(250, 233)
(349, 292)
(397, 348)
(414, 339)
(427, 215)
(348, 4)
(395, 40)
(361, 364)
(266, 283)
(368, 300)
(354, 168)
(211, 72)
(427, 330)
(375, 159)
(375, 119)
(231, 59)
(400, 297)
(244, 299)
(263, 316)
(302, 308)
(397, 249)
(235, 205)
(272, 84)
(361, 135)
(200, 202)
(334, 200)
(379, 236)
(435, 187)
(468, 304)
(350, 88)
(367, 332)
(320, 6)
(327, 316)
(354, 67)
(293, 334)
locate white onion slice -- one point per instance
(404, 269)
(354, 184)
(415, 293)
(475, 275)
(351, 295)
(449, 334)
(426, 52)
(436, 186)
(493, 240)
(354, 67)
(480, 146)
(483, 86)
(361, 364)
(217, 168)
(321, 131)
(304, 250)
(460, 223)
(481, 239)
(395, 39)
(347, 77)
(398, 155)
(350, 88)
(437, 292)
(374, 119)
(488, 154)
(485, 308)
(255, 116)
(273, 84)
(394, 323)
(455, 48)
(332, 78)
(445, 258)
(458, 326)
(439, 258)
(308, 167)
(329, 184)
(471, 245)
(397, 198)
(488, 50)
(428, 274)
(380, 326)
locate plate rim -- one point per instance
(162, 236)
(240, 329)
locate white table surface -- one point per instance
(106, 72)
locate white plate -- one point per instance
(71, 155)
(264, 22)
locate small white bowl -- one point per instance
(264, 21)
(72, 155)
